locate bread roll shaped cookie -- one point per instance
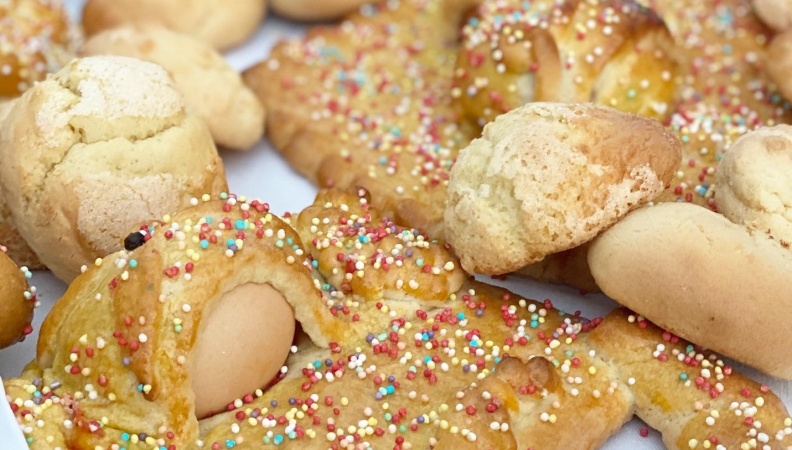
(94, 150)
(754, 182)
(16, 301)
(211, 88)
(315, 10)
(547, 177)
(698, 275)
(223, 24)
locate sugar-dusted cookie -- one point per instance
(548, 177)
(100, 146)
(211, 88)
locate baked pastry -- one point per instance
(399, 139)
(36, 38)
(16, 247)
(221, 24)
(662, 261)
(368, 103)
(93, 150)
(547, 177)
(211, 88)
(777, 14)
(718, 98)
(754, 182)
(405, 352)
(612, 52)
(17, 301)
(315, 10)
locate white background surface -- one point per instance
(262, 173)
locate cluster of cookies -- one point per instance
(629, 147)
(396, 347)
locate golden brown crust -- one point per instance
(689, 394)
(482, 369)
(366, 104)
(36, 38)
(221, 24)
(16, 302)
(134, 316)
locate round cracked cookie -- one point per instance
(548, 177)
(95, 149)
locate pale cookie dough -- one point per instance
(220, 23)
(548, 177)
(95, 150)
(211, 88)
(701, 277)
(314, 10)
(754, 182)
(776, 14)
(16, 247)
